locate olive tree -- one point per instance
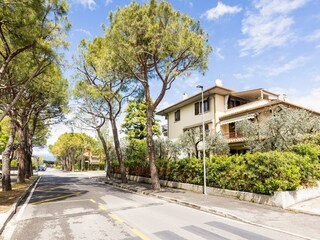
(285, 127)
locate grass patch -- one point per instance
(9, 198)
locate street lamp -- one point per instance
(203, 144)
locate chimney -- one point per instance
(219, 82)
(284, 97)
(184, 96)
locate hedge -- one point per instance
(262, 173)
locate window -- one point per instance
(177, 115)
(198, 107)
(206, 105)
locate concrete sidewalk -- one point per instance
(297, 223)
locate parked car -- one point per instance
(42, 168)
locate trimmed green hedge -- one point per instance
(262, 173)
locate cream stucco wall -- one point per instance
(220, 110)
(188, 119)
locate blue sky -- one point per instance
(271, 44)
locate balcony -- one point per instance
(233, 137)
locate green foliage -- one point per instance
(262, 173)
(153, 41)
(4, 133)
(136, 150)
(13, 163)
(155, 31)
(312, 138)
(307, 149)
(283, 129)
(70, 146)
(134, 123)
(217, 143)
(191, 138)
(166, 149)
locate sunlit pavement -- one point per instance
(75, 206)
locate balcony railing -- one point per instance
(231, 135)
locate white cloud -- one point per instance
(311, 100)
(289, 92)
(191, 4)
(271, 7)
(295, 63)
(184, 85)
(108, 2)
(316, 78)
(314, 36)
(269, 26)
(217, 52)
(242, 76)
(220, 10)
(318, 46)
(248, 72)
(91, 4)
(83, 31)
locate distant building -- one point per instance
(92, 159)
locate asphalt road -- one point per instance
(74, 206)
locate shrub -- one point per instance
(273, 171)
(13, 163)
(259, 172)
(303, 149)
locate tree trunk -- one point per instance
(28, 152)
(106, 152)
(196, 150)
(117, 147)
(6, 180)
(21, 157)
(150, 143)
(73, 163)
(82, 160)
(64, 162)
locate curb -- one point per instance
(9, 214)
(204, 209)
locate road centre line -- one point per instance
(51, 199)
(139, 234)
(115, 217)
(102, 207)
(135, 231)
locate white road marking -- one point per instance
(8, 232)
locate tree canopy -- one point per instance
(153, 41)
(134, 123)
(285, 127)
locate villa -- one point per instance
(223, 107)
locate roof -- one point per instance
(269, 104)
(209, 91)
(254, 94)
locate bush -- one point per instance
(311, 150)
(13, 163)
(263, 173)
(273, 171)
